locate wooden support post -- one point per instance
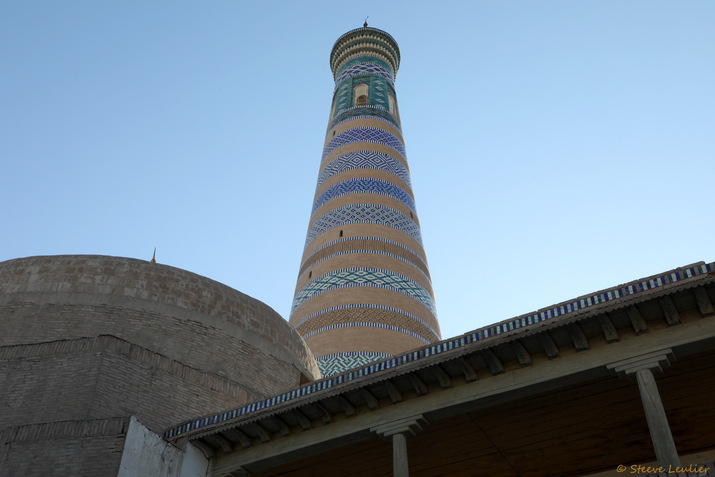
(642, 368)
(663, 443)
(399, 430)
(400, 465)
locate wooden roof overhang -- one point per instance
(557, 355)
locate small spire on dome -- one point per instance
(153, 257)
(365, 24)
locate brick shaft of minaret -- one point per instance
(364, 291)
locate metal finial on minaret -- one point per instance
(364, 291)
(365, 24)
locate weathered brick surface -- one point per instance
(98, 378)
(87, 339)
(66, 448)
(172, 311)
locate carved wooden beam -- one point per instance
(444, 380)
(304, 422)
(262, 433)
(282, 426)
(237, 435)
(704, 303)
(348, 408)
(470, 374)
(493, 362)
(395, 395)
(370, 399)
(217, 441)
(521, 353)
(418, 384)
(208, 450)
(550, 348)
(639, 324)
(580, 342)
(609, 330)
(672, 317)
(326, 416)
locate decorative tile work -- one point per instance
(364, 277)
(379, 93)
(364, 42)
(639, 286)
(368, 324)
(364, 134)
(364, 112)
(363, 313)
(365, 250)
(377, 245)
(392, 122)
(354, 306)
(342, 97)
(364, 68)
(364, 160)
(337, 363)
(364, 185)
(364, 214)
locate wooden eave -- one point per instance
(601, 325)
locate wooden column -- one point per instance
(642, 368)
(399, 430)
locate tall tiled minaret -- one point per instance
(364, 290)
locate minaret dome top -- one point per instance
(365, 41)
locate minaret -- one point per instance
(364, 291)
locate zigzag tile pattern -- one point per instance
(364, 134)
(364, 214)
(364, 185)
(363, 313)
(364, 69)
(365, 277)
(362, 112)
(365, 160)
(338, 363)
(362, 305)
(366, 116)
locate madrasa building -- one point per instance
(121, 367)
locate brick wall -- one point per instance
(87, 340)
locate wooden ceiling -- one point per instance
(578, 429)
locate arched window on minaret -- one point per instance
(360, 95)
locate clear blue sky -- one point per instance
(556, 147)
